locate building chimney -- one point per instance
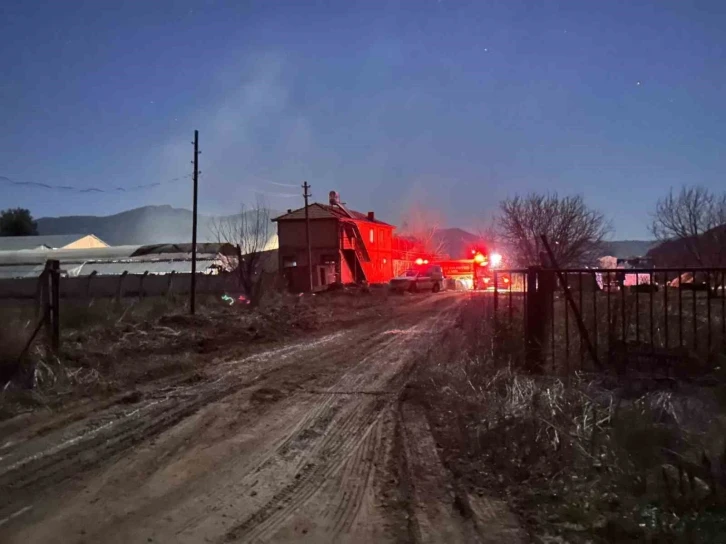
(289, 210)
(334, 198)
(371, 216)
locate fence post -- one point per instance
(51, 303)
(239, 266)
(88, 283)
(40, 290)
(55, 304)
(141, 284)
(171, 282)
(535, 319)
(46, 302)
(120, 285)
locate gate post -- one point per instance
(51, 302)
(536, 318)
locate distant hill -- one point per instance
(145, 225)
(622, 249)
(165, 224)
(455, 242)
(675, 253)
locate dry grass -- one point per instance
(584, 460)
(109, 347)
(14, 335)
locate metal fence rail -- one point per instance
(579, 319)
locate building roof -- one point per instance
(50, 241)
(154, 259)
(326, 211)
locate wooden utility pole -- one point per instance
(306, 195)
(193, 292)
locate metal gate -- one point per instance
(588, 319)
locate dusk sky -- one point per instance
(457, 104)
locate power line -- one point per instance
(272, 182)
(286, 195)
(71, 188)
(279, 184)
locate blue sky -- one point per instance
(454, 104)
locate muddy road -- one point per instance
(304, 442)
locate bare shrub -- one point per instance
(695, 217)
(250, 232)
(574, 231)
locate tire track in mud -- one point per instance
(23, 472)
(338, 439)
(304, 433)
(308, 481)
(345, 451)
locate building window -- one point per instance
(371, 236)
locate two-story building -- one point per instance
(346, 246)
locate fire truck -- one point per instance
(477, 271)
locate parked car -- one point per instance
(427, 278)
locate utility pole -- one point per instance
(306, 195)
(192, 300)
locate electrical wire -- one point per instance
(285, 195)
(71, 188)
(281, 184)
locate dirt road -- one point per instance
(304, 442)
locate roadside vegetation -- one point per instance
(580, 458)
(110, 347)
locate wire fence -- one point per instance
(586, 319)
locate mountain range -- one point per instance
(140, 226)
(165, 224)
(622, 249)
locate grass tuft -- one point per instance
(575, 456)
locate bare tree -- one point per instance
(574, 231)
(696, 218)
(250, 232)
(422, 225)
(489, 235)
